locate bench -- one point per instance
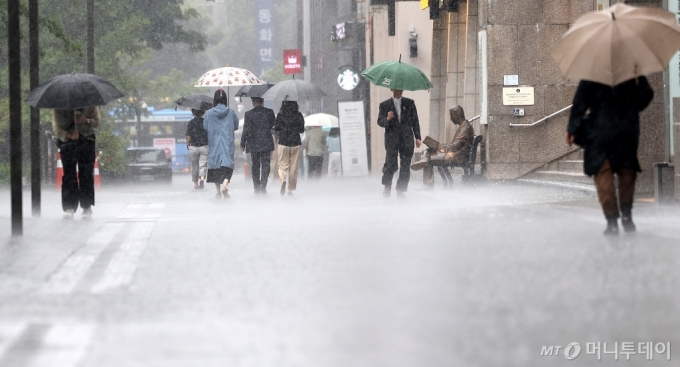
(468, 167)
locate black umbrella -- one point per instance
(197, 102)
(294, 90)
(254, 90)
(73, 91)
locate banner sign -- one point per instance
(264, 24)
(352, 123)
(168, 145)
(292, 61)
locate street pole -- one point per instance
(306, 38)
(90, 36)
(35, 113)
(14, 58)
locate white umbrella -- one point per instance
(321, 119)
(227, 77)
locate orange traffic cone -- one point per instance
(60, 171)
(97, 179)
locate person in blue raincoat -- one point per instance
(220, 122)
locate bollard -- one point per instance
(59, 177)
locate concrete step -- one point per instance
(570, 166)
(559, 176)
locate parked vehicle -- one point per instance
(148, 165)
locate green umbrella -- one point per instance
(397, 75)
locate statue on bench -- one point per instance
(456, 153)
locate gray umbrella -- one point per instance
(254, 90)
(73, 91)
(294, 90)
(197, 102)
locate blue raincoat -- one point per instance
(220, 122)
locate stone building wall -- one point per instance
(520, 35)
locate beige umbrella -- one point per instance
(618, 44)
(321, 119)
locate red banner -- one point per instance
(292, 61)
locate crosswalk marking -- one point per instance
(76, 266)
(9, 333)
(123, 265)
(43, 344)
(64, 345)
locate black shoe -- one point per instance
(612, 227)
(263, 190)
(283, 188)
(628, 225)
(400, 194)
(387, 191)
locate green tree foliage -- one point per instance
(126, 34)
(111, 152)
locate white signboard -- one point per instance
(168, 145)
(353, 139)
(511, 79)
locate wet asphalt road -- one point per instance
(335, 276)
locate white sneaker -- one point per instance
(68, 214)
(87, 213)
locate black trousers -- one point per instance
(261, 168)
(78, 187)
(403, 156)
(315, 164)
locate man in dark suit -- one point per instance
(399, 117)
(258, 141)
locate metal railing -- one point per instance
(543, 119)
(474, 118)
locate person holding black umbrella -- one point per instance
(75, 130)
(289, 124)
(258, 141)
(197, 143)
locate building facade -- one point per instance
(484, 46)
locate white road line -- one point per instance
(124, 264)
(146, 206)
(142, 211)
(75, 267)
(64, 346)
(139, 216)
(8, 334)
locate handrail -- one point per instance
(543, 119)
(474, 118)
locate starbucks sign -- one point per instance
(348, 78)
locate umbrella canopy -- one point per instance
(397, 75)
(294, 90)
(321, 119)
(73, 91)
(227, 77)
(254, 90)
(196, 102)
(618, 44)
